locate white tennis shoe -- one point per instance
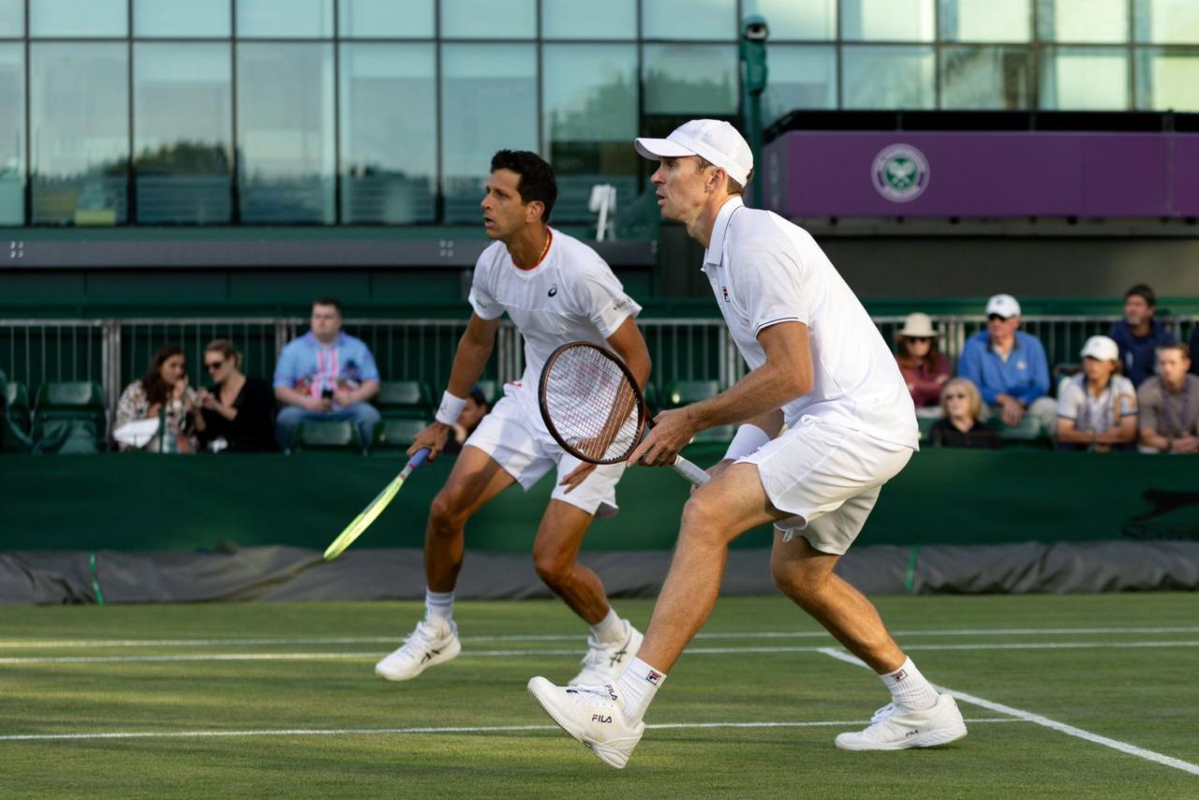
(593, 715)
(428, 646)
(894, 728)
(604, 663)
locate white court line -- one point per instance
(60, 737)
(564, 637)
(1037, 719)
(704, 651)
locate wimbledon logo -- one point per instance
(900, 173)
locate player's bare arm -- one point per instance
(786, 375)
(628, 343)
(472, 355)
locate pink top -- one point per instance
(925, 385)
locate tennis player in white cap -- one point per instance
(820, 366)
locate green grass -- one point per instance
(1145, 696)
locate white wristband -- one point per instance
(749, 439)
(451, 409)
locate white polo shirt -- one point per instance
(1089, 413)
(572, 295)
(765, 270)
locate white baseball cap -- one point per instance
(711, 139)
(1004, 305)
(1102, 348)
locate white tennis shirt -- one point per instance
(765, 270)
(571, 296)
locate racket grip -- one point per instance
(418, 458)
(691, 472)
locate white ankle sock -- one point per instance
(608, 630)
(910, 689)
(439, 607)
(637, 687)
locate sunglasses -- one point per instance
(994, 317)
(955, 397)
(211, 365)
(919, 338)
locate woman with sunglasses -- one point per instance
(962, 425)
(924, 368)
(239, 411)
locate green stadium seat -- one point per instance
(319, 434)
(16, 406)
(683, 393)
(398, 434)
(721, 434)
(926, 426)
(66, 437)
(78, 400)
(404, 400)
(1029, 433)
(652, 398)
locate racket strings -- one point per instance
(592, 404)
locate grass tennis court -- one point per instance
(281, 700)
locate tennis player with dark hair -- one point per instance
(819, 365)
(556, 290)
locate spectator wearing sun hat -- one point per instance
(1097, 408)
(924, 369)
(1009, 367)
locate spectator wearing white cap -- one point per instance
(1097, 408)
(921, 363)
(1009, 367)
(1169, 404)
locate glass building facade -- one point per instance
(386, 112)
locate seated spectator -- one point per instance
(472, 414)
(325, 374)
(1169, 404)
(1008, 366)
(162, 395)
(1097, 408)
(1139, 334)
(238, 411)
(920, 361)
(962, 425)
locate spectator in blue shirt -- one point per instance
(1008, 366)
(1139, 334)
(325, 374)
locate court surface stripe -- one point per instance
(249, 642)
(199, 657)
(1037, 719)
(60, 737)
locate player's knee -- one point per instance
(703, 520)
(446, 512)
(796, 582)
(553, 566)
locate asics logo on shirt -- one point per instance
(553, 290)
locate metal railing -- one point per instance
(114, 352)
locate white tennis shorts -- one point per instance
(527, 452)
(829, 477)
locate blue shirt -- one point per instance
(312, 368)
(1024, 376)
(1138, 354)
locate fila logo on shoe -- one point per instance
(617, 657)
(611, 692)
(912, 732)
(601, 718)
(429, 655)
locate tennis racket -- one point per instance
(593, 408)
(372, 511)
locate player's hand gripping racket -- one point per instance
(372, 511)
(594, 410)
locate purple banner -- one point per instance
(1034, 174)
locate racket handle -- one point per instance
(417, 459)
(691, 472)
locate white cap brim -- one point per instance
(656, 149)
